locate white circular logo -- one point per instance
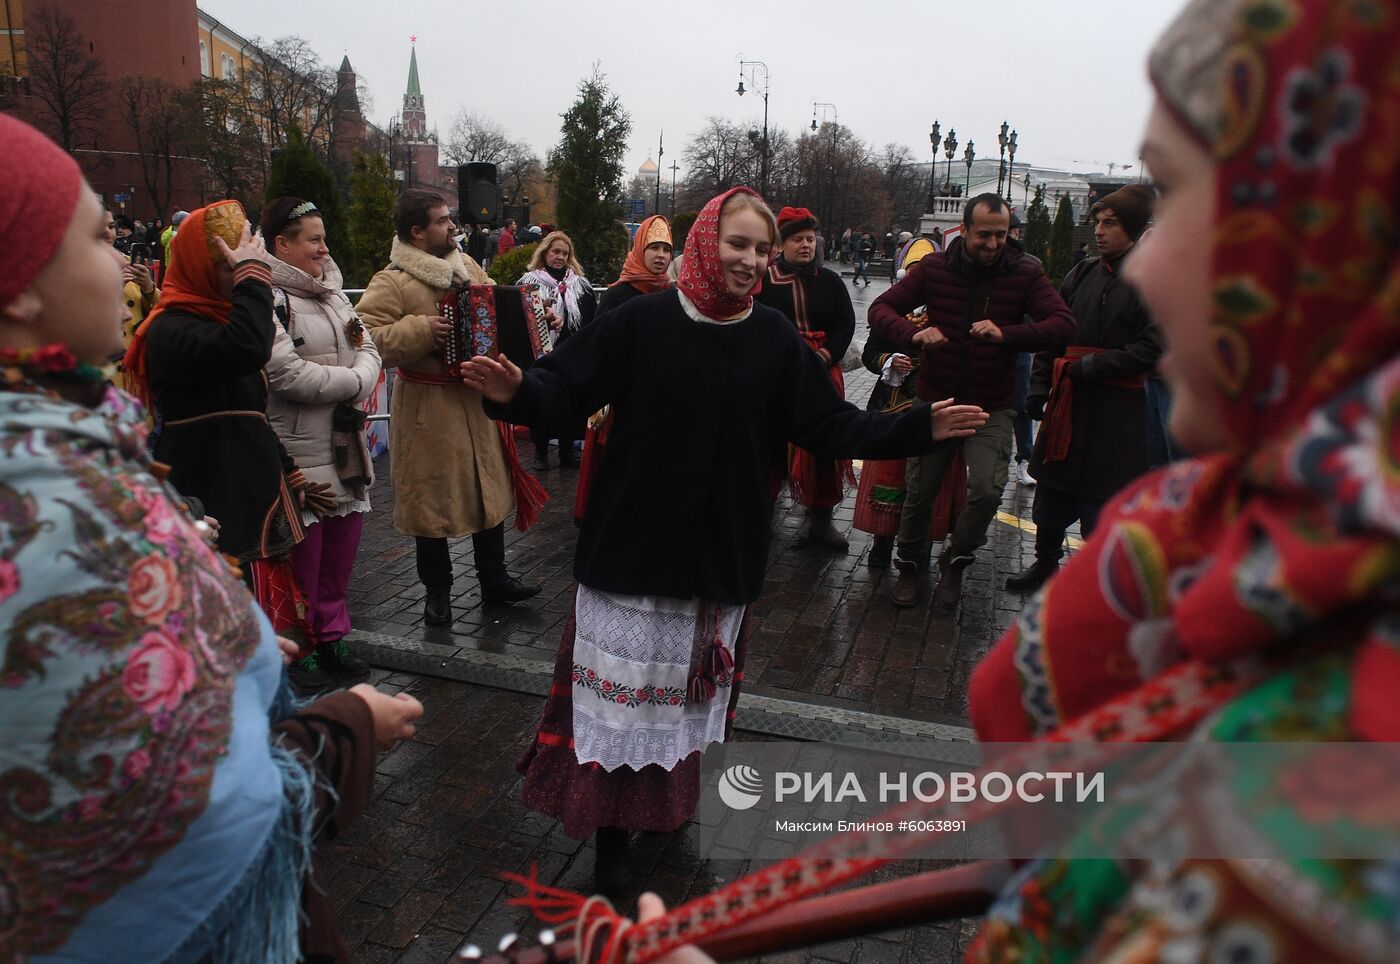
(740, 787)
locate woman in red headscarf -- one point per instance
(198, 361)
(707, 389)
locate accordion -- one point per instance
(492, 320)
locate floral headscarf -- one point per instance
(192, 280)
(702, 276)
(1289, 539)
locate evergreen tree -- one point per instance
(1060, 257)
(372, 198)
(587, 167)
(298, 172)
(1037, 238)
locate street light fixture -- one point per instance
(950, 146)
(1001, 162)
(933, 170)
(968, 157)
(1011, 163)
(825, 107)
(762, 145)
(1027, 198)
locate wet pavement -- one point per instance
(830, 656)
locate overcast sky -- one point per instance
(1069, 75)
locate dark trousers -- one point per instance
(861, 272)
(1053, 513)
(1160, 448)
(488, 551)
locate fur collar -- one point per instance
(435, 272)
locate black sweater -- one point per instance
(207, 379)
(683, 497)
(826, 303)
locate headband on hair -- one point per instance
(301, 210)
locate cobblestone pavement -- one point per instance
(414, 878)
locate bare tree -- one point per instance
(164, 120)
(229, 139)
(472, 137)
(717, 158)
(906, 183)
(66, 79)
(286, 83)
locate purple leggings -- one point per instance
(322, 563)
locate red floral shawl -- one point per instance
(702, 276)
(1289, 540)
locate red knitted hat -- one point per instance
(39, 190)
(792, 220)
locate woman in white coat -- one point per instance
(322, 369)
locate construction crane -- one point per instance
(1094, 160)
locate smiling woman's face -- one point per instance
(1170, 267)
(745, 240)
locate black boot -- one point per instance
(541, 463)
(1031, 579)
(344, 665)
(308, 677)
(437, 608)
(509, 591)
(612, 872)
(881, 552)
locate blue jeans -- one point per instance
(1160, 448)
(1025, 444)
(861, 265)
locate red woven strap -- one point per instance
(423, 378)
(530, 495)
(951, 499)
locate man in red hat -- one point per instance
(816, 300)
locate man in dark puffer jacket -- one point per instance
(986, 302)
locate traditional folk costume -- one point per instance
(161, 805)
(574, 301)
(881, 492)
(456, 467)
(816, 301)
(635, 280)
(706, 390)
(198, 360)
(1248, 595)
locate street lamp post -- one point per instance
(660, 152)
(674, 168)
(762, 145)
(1027, 198)
(1001, 160)
(1011, 164)
(835, 115)
(968, 156)
(950, 146)
(933, 170)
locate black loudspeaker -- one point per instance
(478, 197)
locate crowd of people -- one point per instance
(181, 527)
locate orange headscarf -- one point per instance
(634, 270)
(191, 281)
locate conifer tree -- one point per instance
(371, 218)
(1060, 257)
(1038, 225)
(587, 167)
(298, 172)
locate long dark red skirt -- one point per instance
(584, 797)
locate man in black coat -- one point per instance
(816, 301)
(1093, 436)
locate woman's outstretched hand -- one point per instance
(497, 380)
(955, 421)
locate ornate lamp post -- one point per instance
(1027, 198)
(950, 145)
(761, 145)
(660, 152)
(933, 135)
(1001, 161)
(674, 167)
(1011, 163)
(968, 157)
(824, 108)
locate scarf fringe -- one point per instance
(530, 495)
(259, 921)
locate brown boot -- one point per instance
(950, 577)
(906, 588)
(823, 533)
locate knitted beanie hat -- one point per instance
(40, 184)
(1133, 204)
